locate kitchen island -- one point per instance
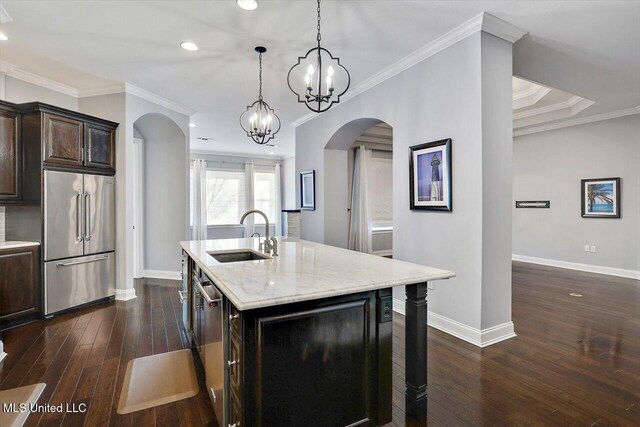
(304, 337)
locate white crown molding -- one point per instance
(163, 102)
(16, 72)
(529, 97)
(481, 22)
(478, 337)
(5, 18)
(568, 104)
(500, 28)
(136, 91)
(577, 122)
(598, 269)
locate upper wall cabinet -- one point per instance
(63, 140)
(70, 139)
(100, 146)
(10, 156)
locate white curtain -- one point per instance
(249, 227)
(199, 199)
(278, 203)
(360, 221)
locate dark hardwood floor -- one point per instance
(575, 361)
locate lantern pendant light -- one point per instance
(260, 121)
(317, 75)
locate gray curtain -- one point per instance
(360, 220)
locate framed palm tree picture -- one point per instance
(601, 198)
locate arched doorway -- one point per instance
(375, 137)
(159, 186)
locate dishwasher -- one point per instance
(210, 342)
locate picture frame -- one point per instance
(600, 197)
(308, 190)
(431, 176)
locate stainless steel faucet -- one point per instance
(270, 243)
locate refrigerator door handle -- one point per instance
(86, 261)
(87, 216)
(79, 237)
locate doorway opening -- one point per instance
(359, 187)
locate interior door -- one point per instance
(99, 214)
(63, 213)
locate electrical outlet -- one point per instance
(593, 249)
(586, 248)
(430, 285)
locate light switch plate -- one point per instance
(593, 248)
(586, 248)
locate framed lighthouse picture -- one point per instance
(430, 176)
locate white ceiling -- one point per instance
(587, 48)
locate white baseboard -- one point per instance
(125, 294)
(162, 274)
(480, 338)
(598, 269)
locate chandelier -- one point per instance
(260, 121)
(317, 74)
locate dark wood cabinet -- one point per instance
(100, 146)
(63, 140)
(317, 363)
(19, 285)
(10, 156)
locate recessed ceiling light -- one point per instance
(270, 152)
(192, 125)
(3, 37)
(189, 46)
(247, 4)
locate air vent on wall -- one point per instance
(204, 138)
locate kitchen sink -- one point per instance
(238, 256)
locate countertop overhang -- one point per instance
(302, 271)
(15, 244)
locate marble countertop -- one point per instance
(302, 271)
(8, 244)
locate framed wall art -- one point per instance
(308, 190)
(600, 198)
(430, 176)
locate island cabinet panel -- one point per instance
(100, 146)
(63, 140)
(317, 363)
(10, 156)
(19, 285)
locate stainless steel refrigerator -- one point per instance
(79, 243)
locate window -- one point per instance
(264, 195)
(380, 177)
(225, 197)
(226, 201)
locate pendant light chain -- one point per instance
(260, 78)
(319, 37)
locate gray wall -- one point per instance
(164, 215)
(550, 165)
(289, 183)
(19, 91)
(444, 96)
